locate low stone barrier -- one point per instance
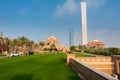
(103, 64)
(88, 72)
(116, 60)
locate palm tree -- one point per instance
(1, 44)
(24, 43)
(42, 43)
(8, 42)
(15, 44)
(83, 48)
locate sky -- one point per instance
(39, 19)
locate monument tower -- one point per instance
(84, 22)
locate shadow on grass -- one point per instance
(74, 78)
(63, 60)
(22, 77)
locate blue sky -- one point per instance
(39, 19)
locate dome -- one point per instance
(52, 38)
(96, 40)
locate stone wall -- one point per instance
(103, 64)
(88, 72)
(69, 56)
(116, 60)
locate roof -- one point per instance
(52, 38)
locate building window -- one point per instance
(48, 43)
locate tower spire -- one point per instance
(84, 23)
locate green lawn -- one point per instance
(36, 67)
(2, 54)
(84, 55)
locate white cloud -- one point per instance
(95, 4)
(73, 6)
(22, 11)
(69, 7)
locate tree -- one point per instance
(7, 44)
(82, 47)
(21, 44)
(52, 47)
(113, 51)
(42, 43)
(15, 44)
(72, 48)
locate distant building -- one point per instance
(54, 41)
(71, 37)
(96, 44)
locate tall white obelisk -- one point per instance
(84, 23)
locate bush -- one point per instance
(72, 48)
(2, 55)
(77, 50)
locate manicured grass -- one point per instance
(2, 55)
(83, 55)
(36, 67)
